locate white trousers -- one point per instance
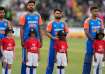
(98, 62)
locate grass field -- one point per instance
(76, 55)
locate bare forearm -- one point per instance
(21, 33)
(88, 34)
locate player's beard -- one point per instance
(31, 10)
(58, 17)
(1, 17)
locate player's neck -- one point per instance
(94, 17)
(1, 19)
(57, 20)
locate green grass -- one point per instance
(76, 55)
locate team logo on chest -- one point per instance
(33, 47)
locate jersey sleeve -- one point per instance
(22, 20)
(40, 20)
(66, 29)
(86, 23)
(49, 27)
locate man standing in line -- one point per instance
(31, 20)
(52, 29)
(91, 26)
(4, 24)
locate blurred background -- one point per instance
(75, 11)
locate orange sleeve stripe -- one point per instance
(49, 27)
(86, 23)
(40, 21)
(22, 20)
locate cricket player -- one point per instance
(61, 46)
(99, 52)
(31, 20)
(8, 48)
(32, 46)
(52, 28)
(91, 26)
(3, 25)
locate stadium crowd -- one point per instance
(73, 15)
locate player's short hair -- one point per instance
(31, 1)
(61, 34)
(100, 32)
(32, 30)
(57, 9)
(93, 7)
(2, 8)
(8, 29)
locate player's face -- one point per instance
(95, 12)
(2, 13)
(31, 7)
(58, 15)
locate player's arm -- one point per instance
(39, 46)
(86, 29)
(1, 46)
(66, 29)
(10, 25)
(56, 48)
(26, 48)
(40, 29)
(102, 26)
(21, 23)
(48, 31)
(67, 53)
(104, 52)
(94, 47)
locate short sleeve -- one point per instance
(86, 23)
(22, 20)
(40, 20)
(49, 27)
